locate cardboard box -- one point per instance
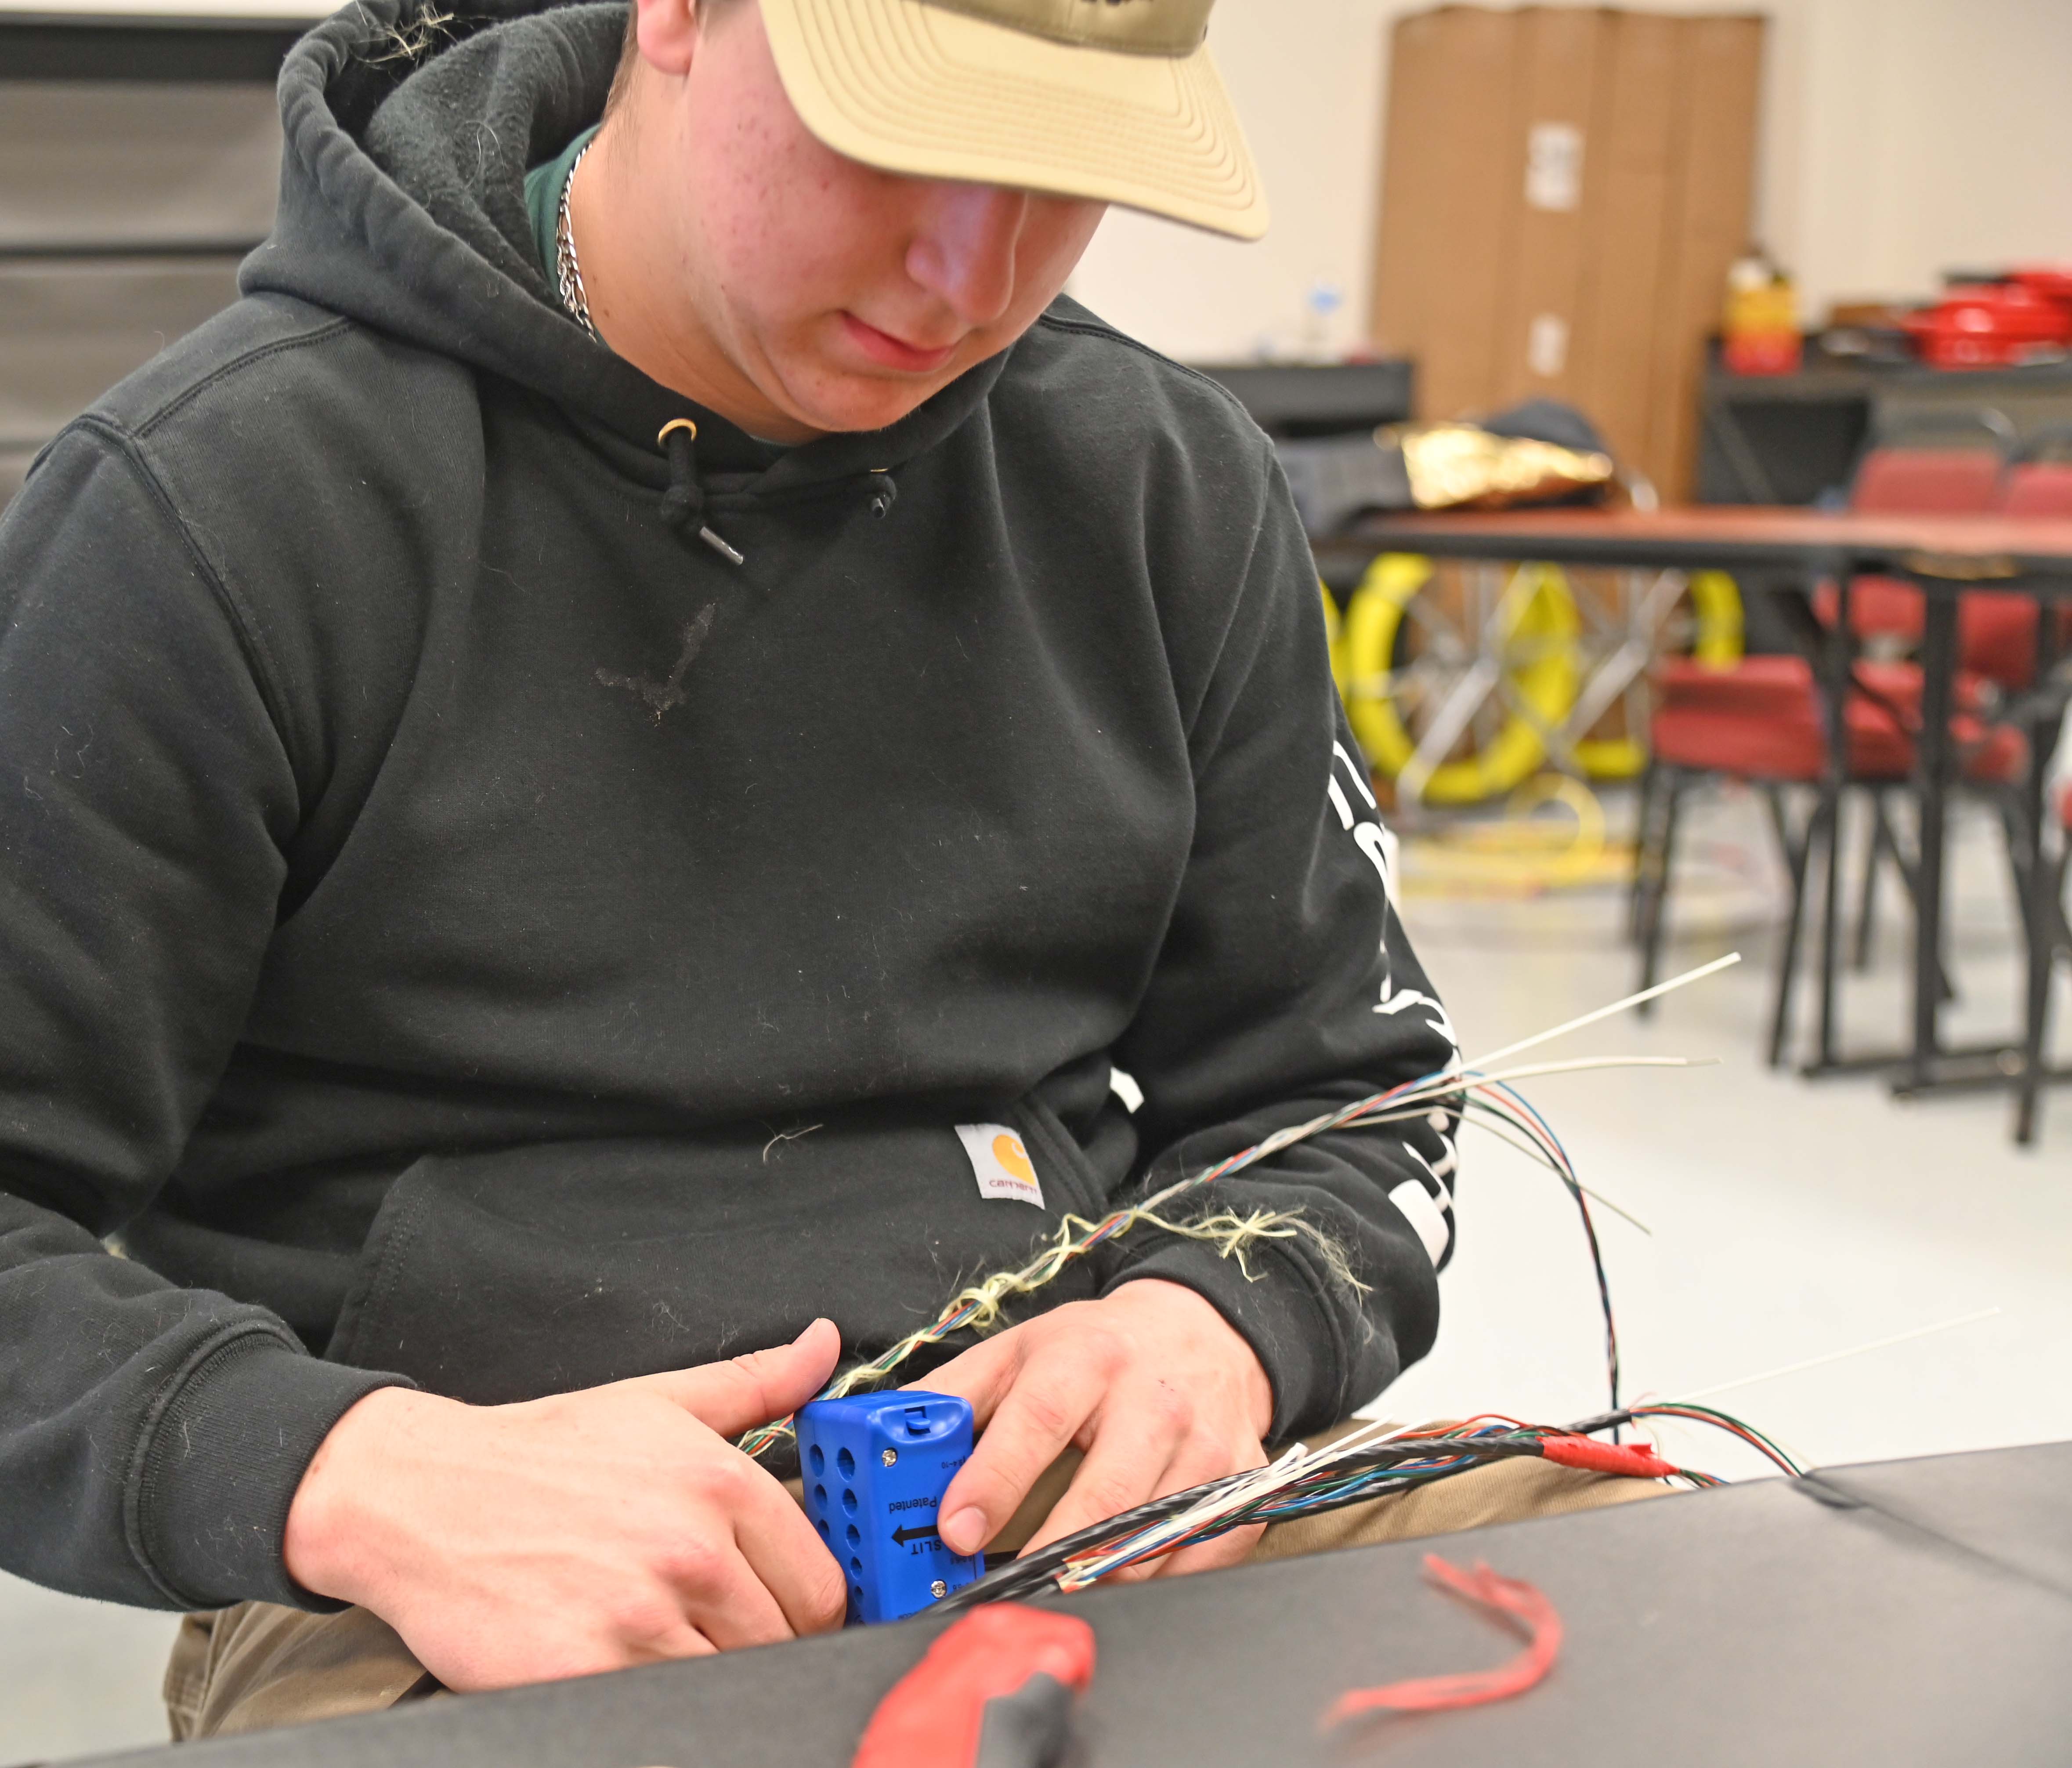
(1560, 49)
(1439, 279)
(1563, 191)
(1629, 220)
(1715, 189)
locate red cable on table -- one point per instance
(1515, 1601)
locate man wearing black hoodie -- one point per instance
(609, 767)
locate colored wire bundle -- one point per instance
(1369, 1463)
(1469, 1094)
(1489, 1104)
(1720, 1421)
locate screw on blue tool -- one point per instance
(876, 1466)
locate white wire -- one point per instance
(1275, 1476)
(1832, 1356)
(1457, 1080)
(1633, 1000)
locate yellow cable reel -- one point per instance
(1716, 641)
(1535, 674)
(1334, 638)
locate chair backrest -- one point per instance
(1926, 481)
(2039, 479)
(1944, 461)
(1940, 462)
(1996, 636)
(2037, 487)
(1997, 632)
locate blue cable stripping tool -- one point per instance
(875, 1467)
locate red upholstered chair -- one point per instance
(1996, 631)
(2037, 487)
(1761, 720)
(1944, 479)
(1928, 481)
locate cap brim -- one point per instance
(922, 90)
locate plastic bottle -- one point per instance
(1760, 332)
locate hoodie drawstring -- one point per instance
(683, 502)
(884, 491)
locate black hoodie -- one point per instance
(458, 929)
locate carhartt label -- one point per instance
(1000, 1163)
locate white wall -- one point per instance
(1899, 137)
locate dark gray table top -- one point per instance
(1903, 1612)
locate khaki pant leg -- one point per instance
(187, 1675)
(259, 1665)
(1505, 1491)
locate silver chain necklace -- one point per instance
(567, 272)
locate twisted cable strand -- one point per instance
(1447, 1090)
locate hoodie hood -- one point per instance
(408, 132)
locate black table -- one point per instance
(1767, 548)
(1794, 438)
(1903, 1612)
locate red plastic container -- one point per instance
(2053, 281)
(1992, 325)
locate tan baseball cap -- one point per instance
(1114, 100)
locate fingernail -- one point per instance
(808, 1333)
(964, 1532)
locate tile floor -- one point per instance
(1788, 1220)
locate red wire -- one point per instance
(1513, 1599)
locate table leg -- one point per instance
(2041, 923)
(1938, 669)
(1826, 834)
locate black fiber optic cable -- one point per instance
(1033, 1573)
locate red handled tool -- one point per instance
(996, 1690)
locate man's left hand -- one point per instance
(1150, 1384)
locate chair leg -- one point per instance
(1796, 849)
(2021, 852)
(1829, 842)
(1876, 843)
(1910, 878)
(1651, 785)
(2044, 930)
(1657, 854)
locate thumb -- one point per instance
(743, 1393)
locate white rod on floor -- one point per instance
(1688, 976)
(1837, 1356)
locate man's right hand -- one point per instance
(584, 1533)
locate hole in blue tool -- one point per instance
(847, 1462)
(819, 1461)
(856, 1566)
(848, 1501)
(820, 1494)
(823, 1528)
(855, 1538)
